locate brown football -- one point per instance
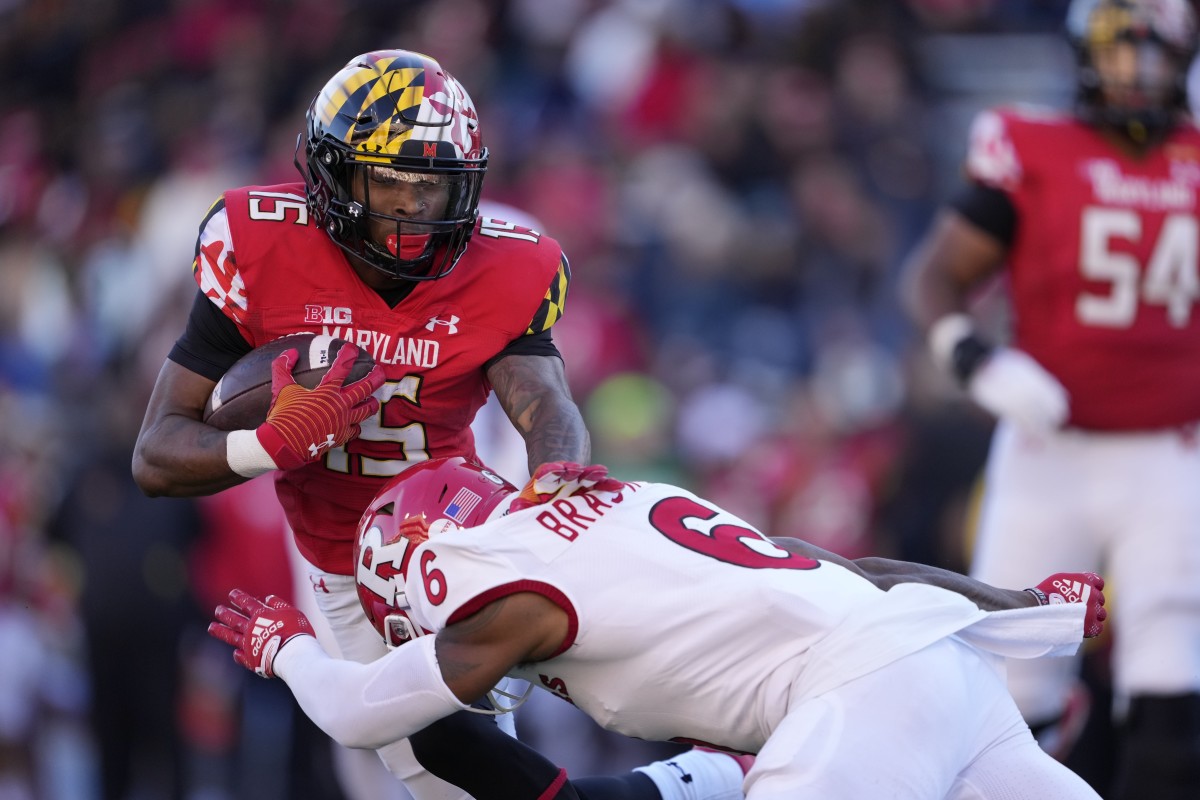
(241, 398)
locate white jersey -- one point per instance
(686, 623)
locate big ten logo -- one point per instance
(327, 315)
(556, 686)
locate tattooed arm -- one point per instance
(534, 394)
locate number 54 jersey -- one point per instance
(1103, 264)
(685, 623)
(264, 263)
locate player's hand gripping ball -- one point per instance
(1076, 587)
(243, 396)
(303, 424)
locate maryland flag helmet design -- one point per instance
(395, 116)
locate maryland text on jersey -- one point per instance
(388, 349)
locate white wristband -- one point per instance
(945, 335)
(246, 455)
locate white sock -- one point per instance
(696, 775)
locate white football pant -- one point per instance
(1126, 505)
(936, 724)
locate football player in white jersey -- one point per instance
(667, 618)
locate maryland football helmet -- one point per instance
(426, 499)
(394, 116)
(1140, 89)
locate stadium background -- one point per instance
(736, 183)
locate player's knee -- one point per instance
(1160, 754)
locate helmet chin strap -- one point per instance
(494, 695)
(400, 626)
(1140, 128)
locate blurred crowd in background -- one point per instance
(735, 182)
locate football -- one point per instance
(241, 398)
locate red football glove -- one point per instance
(258, 630)
(1076, 587)
(302, 423)
(563, 479)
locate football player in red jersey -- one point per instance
(381, 245)
(1095, 459)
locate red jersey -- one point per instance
(273, 272)
(1103, 264)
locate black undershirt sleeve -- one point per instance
(989, 209)
(210, 343)
(532, 344)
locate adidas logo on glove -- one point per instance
(1069, 588)
(263, 629)
(1068, 592)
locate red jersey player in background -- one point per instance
(381, 245)
(1095, 460)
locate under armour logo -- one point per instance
(451, 324)
(684, 775)
(315, 448)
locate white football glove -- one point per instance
(1003, 380)
(1013, 386)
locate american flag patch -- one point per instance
(462, 505)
